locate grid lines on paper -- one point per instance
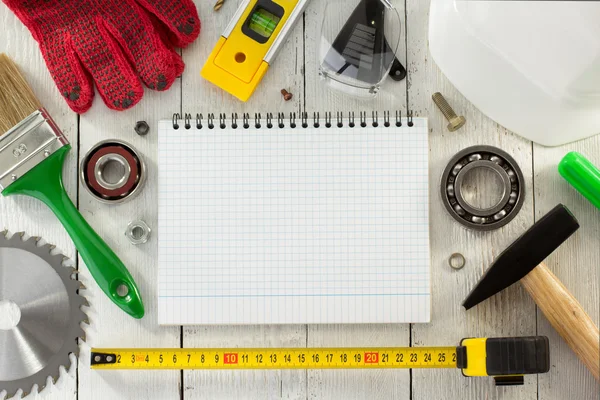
(282, 224)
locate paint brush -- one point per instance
(32, 154)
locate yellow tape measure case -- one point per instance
(506, 359)
(244, 52)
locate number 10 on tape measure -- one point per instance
(250, 43)
(507, 359)
(435, 357)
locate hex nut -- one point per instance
(142, 128)
(138, 232)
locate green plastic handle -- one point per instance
(582, 175)
(44, 182)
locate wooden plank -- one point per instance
(200, 96)
(20, 213)
(575, 263)
(358, 384)
(289, 384)
(352, 384)
(111, 327)
(510, 313)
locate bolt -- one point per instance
(219, 5)
(287, 96)
(46, 153)
(456, 122)
(142, 128)
(13, 177)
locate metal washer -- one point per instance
(483, 157)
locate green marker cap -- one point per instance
(582, 175)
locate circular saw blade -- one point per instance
(50, 314)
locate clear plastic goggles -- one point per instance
(359, 41)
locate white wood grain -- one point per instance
(200, 96)
(111, 327)
(21, 213)
(511, 313)
(575, 263)
(357, 384)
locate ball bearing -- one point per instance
(128, 183)
(504, 166)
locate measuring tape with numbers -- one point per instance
(507, 359)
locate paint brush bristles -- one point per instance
(17, 100)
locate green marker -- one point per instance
(582, 175)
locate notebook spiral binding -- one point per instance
(220, 122)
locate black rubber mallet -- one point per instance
(523, 261)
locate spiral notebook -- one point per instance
(285, 221)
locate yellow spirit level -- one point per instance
(251, 41)
(506, 359)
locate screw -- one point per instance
(46, 153)
(142, 128)
(219, 5)
(287, 96)
(13, 177)
(456, 122)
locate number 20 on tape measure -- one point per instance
(507, 359)
(250, 43)
(334, 358)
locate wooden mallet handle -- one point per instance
(566, 315)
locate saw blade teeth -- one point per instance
(51, 373)
(71, 282)
(16, 237)
(32, 239)
(85, 320)
(73, 360)
(84, 302)
(70, 269)
(81, 334)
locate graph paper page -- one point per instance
(293, 226)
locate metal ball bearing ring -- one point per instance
(512, 180)
(127, 185)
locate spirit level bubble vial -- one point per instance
(250, 43)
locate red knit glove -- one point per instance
(112, 43)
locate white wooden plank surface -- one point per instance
(510, 313)
(200, 96)
(343, 384)
(19, 213)
(575, 263)
(111, 327)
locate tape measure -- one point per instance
(507, 359)
(250, 43)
